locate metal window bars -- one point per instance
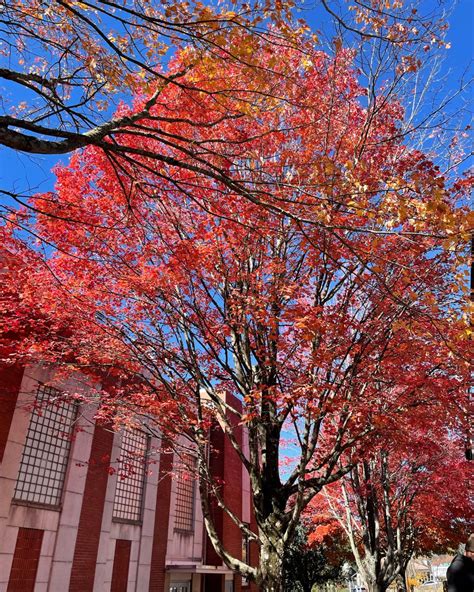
(46, 451)
(128, 501)
(185, 492)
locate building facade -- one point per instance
(81, 511)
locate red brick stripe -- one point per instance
(160, 533)
(225, 466)
(232, 536)
(121, 565)
(217, 469)
(88, 535)
(10, 383)
(25, 560)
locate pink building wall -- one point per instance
(78, 546)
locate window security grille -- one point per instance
(128, 500)
(185, 484)
(245, 552)
(45, 454)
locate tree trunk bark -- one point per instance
(401, 582)
(271, 586)
(375, 587)
(271, 567)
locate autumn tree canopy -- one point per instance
(409, 496)
(68, 59)
(69, 69)
(295, 270)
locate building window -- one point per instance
(245, 552)
(185, 484)
(131, 472)
(45, 454)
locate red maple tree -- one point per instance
(409, 496)
(302, 295)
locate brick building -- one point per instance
(67, 523)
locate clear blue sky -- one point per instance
(25, 173)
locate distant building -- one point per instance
(68, 524)
(427, 574)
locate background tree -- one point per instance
(305, 566)
(405, 498)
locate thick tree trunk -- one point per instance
(374, 588)
(401, 582)
(380, 586)
(271, 567)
